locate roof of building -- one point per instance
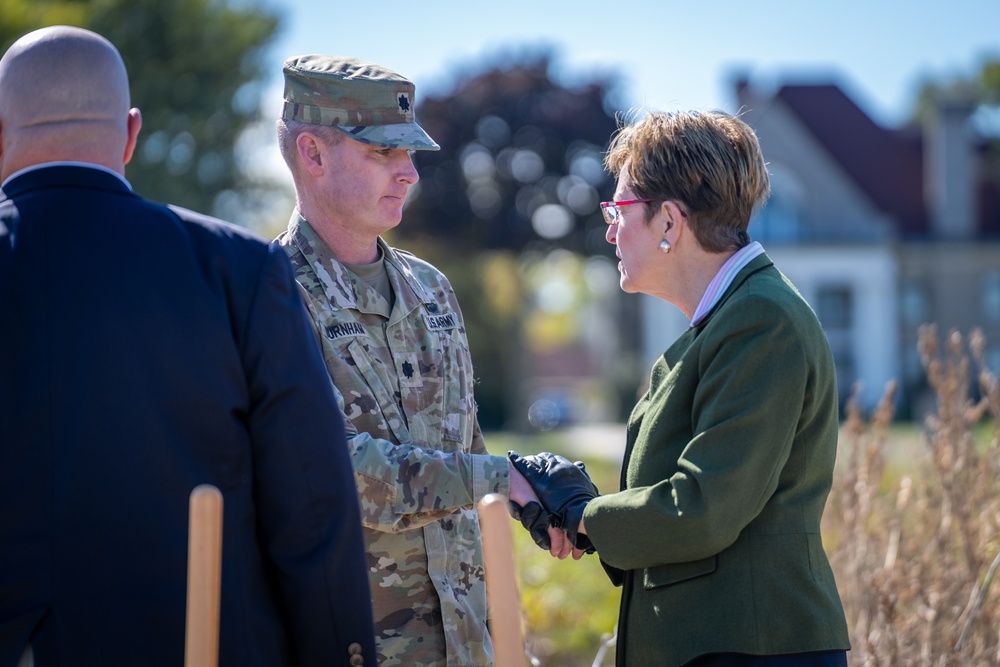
(886, 164)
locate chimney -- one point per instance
(950, 169)
(740, 81)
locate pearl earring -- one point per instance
(664, 246)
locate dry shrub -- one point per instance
(915, 538)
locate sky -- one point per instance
(665, 54)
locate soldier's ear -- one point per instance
(310, 153)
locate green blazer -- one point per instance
(715, 534)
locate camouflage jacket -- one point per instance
(404, 382)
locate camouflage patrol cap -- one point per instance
(363, 100)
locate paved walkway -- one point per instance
(604, 440)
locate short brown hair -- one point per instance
(709, 161)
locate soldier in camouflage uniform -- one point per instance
(395, 345)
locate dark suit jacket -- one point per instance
(728, 463)
(145, 350)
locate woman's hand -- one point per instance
(536, 519)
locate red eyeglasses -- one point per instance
(611, 212)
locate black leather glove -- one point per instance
(564, 488)
(536, 520)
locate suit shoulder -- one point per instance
(209, 226)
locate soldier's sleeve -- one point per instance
(478, 441)
(408, 485)
(405, 486)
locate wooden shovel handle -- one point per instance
(201, 648)
(501, 582)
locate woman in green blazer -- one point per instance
(715, 533)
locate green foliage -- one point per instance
(989, 81)
(18, 17)
(195, 69)
(980, 92)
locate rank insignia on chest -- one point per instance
(441, 321)
(342, 329)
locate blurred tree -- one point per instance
(986, 96)
(520, 162)
(978, 95)
(519, 175)
(981, 90)
(195, 68)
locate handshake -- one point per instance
(564, 489)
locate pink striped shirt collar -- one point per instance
(720, 283)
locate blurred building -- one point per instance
(881, 229)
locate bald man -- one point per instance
(144, 350)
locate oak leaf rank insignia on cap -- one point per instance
(365, 101)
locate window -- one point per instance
(993, 359)
(835, 310)
(833, 307)
(913, 303)
(780, 219)
(991, 296)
